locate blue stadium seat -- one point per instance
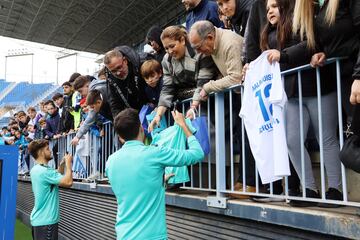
(3, 85)
(25, 93)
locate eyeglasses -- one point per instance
(119, 67)
(198, 46)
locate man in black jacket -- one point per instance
(153, 39)
(67, 120)
(124, 81)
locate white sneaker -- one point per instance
(93, 176)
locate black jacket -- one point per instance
(256, 22)
(154, 34)
(239, 20)
(132, 87)
(343, 37)
(66, 118)
(295, 54)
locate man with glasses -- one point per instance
(224, 46)
(125, 84)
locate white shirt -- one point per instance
(263, 114)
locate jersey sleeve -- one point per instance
(52, 176)
(176, 158)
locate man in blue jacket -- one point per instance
(136, 173)
(201, 10)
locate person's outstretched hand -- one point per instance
(179, 118)
(154, 123)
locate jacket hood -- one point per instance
(154, 34)
(97, 83)
(131, 55)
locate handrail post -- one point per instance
(219, 201)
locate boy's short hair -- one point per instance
(73, 77)
(50, 102)
(42, 120)
(150, 67)
(93, 96)
(57, 96)
(37, 145)
(66, 84)
(21, 113)
(31, 109)
(127, 123)
(101, 72)
(16, 128)
(80, 82)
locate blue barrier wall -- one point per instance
(8, 189)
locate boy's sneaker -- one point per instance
(93, 176)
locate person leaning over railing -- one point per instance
(124, 82)
(277, 35)
(151, 71)
(184, 71)
(224, 47)
(45, 182)
(83, 85)
(136, 175)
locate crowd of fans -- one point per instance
(209, 55)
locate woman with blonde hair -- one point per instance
(332, 29)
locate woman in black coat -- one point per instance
(332, 28)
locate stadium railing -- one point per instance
(219, 170)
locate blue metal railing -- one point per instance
(222, 159)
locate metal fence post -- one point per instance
(219, 201)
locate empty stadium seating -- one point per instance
(3, 85)
(23, 95)
(25, 92)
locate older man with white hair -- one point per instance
(225, 46)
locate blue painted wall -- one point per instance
(8, 189)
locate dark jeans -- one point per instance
(47, 232)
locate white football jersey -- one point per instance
(262, 110)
